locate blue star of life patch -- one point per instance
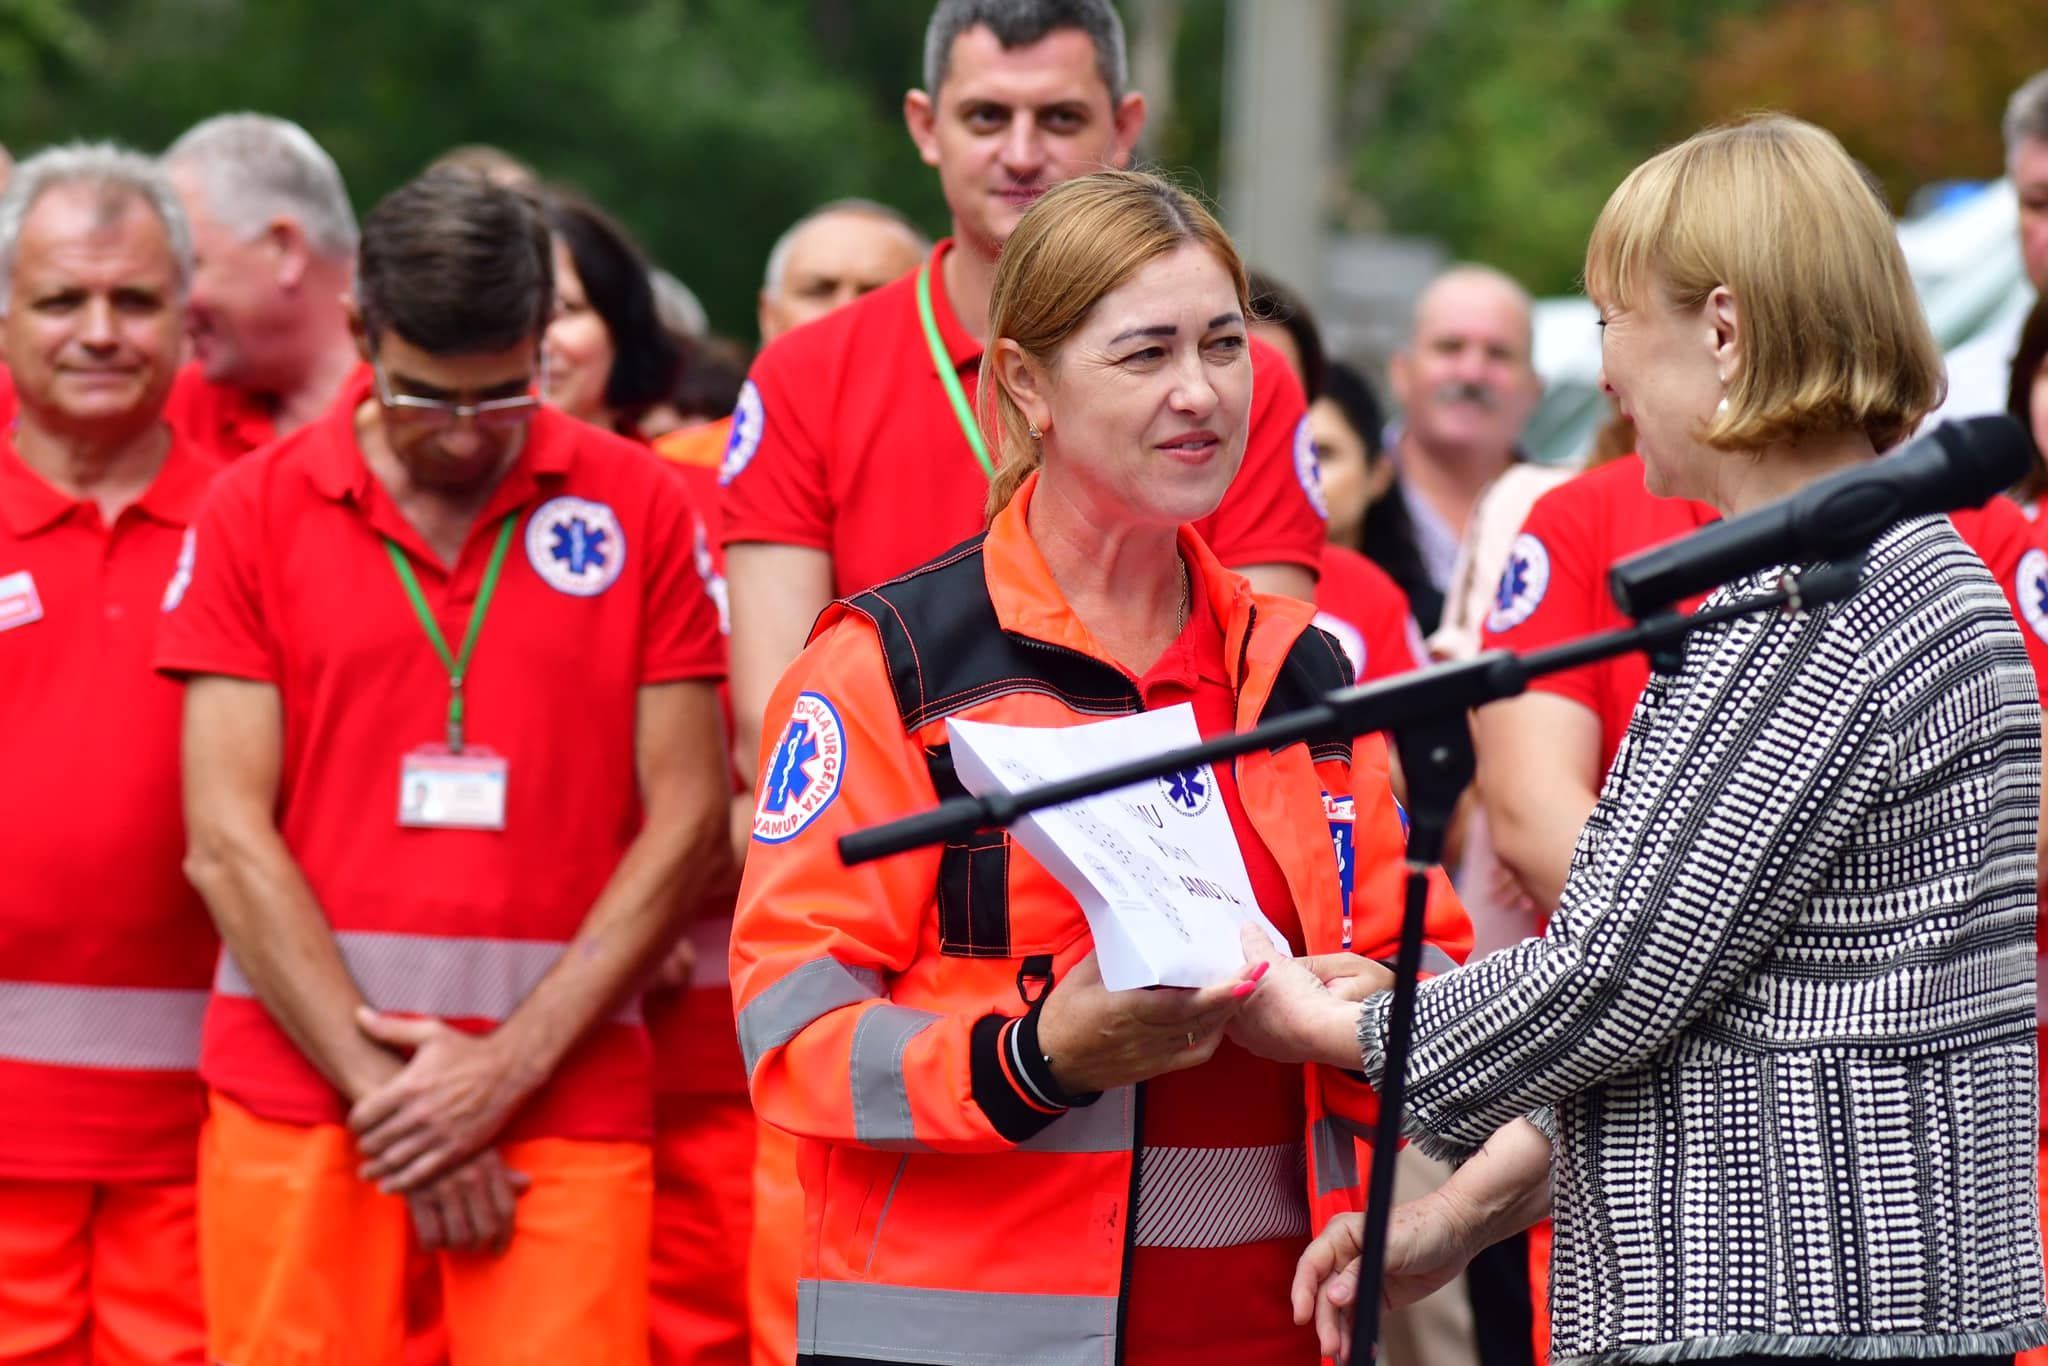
(576, 545)
(1523, 581)
(804, 776)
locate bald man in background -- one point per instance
(1467, 388)
(829, 257)
(832, 256)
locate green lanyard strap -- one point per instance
(948, 375)
(458, 667)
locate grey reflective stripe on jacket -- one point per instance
(897, 1323)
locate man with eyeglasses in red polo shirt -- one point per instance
(454, 779)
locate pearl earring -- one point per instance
(1035, 433)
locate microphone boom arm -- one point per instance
(1424, 695)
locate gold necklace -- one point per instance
(1181, 623)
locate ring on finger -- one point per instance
(1191, 1038)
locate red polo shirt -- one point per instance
(105, 950)
(1221, 1204)
(844, 441)
(600, 596)
(1360, 604)
(2003, 538)
(6, 399)
(1555, 586)
(225, 420)
(1578, 530)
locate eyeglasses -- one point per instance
(499, 413)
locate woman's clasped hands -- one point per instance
(1286, 1009)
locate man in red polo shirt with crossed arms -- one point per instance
(453, 776)
(105, 951)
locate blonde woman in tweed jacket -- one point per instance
(1778, 1041)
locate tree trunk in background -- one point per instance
(1154, 30)
(1280, 67)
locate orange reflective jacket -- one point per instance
(950, 1213)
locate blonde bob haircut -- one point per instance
(1830, 334)
(1080, 241)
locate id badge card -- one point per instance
(1341, 813)
(441, 790)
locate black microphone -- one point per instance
(1957, 465)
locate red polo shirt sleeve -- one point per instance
(683, 639)
(217, 624)
(1552, 590)
(1273, 512)
(2007, 543)
(775, 473)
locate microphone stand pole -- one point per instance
(1425, 710)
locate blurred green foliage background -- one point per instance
(1497, 126)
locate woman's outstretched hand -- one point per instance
(1295, 1015)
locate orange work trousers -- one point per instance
(306, 1264)
(772, 1256)
(703, 1213)
(100, 1274)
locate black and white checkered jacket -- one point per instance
(1785, 1011)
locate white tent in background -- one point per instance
(1964, 256)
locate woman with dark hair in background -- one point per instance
(1361, 606)
(1283, 320)
(607, 358)
(2026, 398)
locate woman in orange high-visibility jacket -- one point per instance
(1003, 1161)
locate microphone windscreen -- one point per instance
(1990, 454)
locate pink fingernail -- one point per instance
(1245, 989)
(1260, 970)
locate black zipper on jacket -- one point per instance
(1244, 650)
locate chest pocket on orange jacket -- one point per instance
(974, 878)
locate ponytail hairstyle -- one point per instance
(1080, 241)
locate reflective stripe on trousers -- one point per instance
(899, 1323)
(1221, 1197)
(423, 974)
(147, 1029)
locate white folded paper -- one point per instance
(1155, 866)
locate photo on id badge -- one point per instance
(442, 790)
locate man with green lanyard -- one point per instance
(453, 781)
(855, 454)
